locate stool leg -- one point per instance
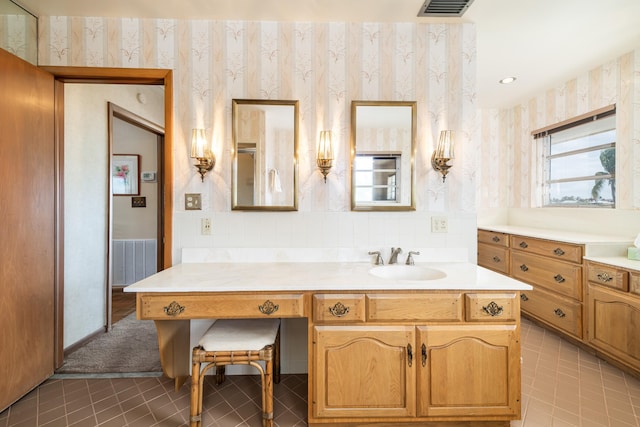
(220, 374)
(267, 390)
(195, 408)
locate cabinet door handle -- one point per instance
(523, 245)
(524, 297)
(558, 252)
(558, 278)
(493, 309)
(496, 259)
(604, 277)
(558, 312)
(339, 310)
(524, 267)
(496, 239)
(424, 355)
(268, 307)
(409, 354)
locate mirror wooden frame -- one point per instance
(373, 206)
(292, 183)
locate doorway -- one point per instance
(136, 220)
(63, 75)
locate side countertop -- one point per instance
(316, 276)
(617, 261)
(559, 235)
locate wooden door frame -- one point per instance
(64, 75)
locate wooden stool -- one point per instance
(237, 342)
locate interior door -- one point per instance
(28, 224)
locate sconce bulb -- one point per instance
(324, 158)
(443, 153)
(201, 151)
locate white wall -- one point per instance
(86, 177)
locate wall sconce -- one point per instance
(324, 160)
(443, 153)
(201, 150)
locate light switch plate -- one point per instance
(192, 202)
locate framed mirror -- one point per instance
(265, 155)
(382, 155)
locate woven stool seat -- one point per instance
(237, 342)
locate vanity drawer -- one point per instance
(338, 308)
(562, 277)
(493, 238)
(491, 307)
(608, 276)
(415, 307)
(559, 312)
(493, 257)
(211, 306)
(556, 250)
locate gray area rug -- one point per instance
(131, 346)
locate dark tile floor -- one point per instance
(561, 386)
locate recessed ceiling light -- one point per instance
(507, 80)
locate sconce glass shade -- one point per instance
(201, 150)
(324, 158)
(443, 153)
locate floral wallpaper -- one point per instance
(323, 65)
(507, 172)
(18, 35)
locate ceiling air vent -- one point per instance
(444, 8)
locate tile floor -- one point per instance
(562, 386)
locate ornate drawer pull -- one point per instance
(523, 245)
(409, 354)
(424, 355)
(559, 312)
(496, 239)
(173, 309)
(604, 277)
(524, 297)
(558, 252)
(558, 278)
(496, 259)
(524, 267)
(493, 309)
(339, 310)
(268, 307)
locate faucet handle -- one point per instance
(379, 260)
(410, 257)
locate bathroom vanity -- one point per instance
(442, 347)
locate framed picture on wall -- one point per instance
(125, 178)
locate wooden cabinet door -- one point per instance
(27, 239)
(468, 371)
(614, 324)
(364, 371)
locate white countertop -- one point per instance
(617, 261)
(315, 276)
(560, 235)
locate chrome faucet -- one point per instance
(378, 260)
(410, 257)
(394, 255)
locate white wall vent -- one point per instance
(444, 8)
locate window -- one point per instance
(376, 177)
(580, 161)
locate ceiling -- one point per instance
(543, 43)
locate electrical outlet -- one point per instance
(205, 224)
(439, 224)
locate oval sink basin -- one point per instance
(406, 272)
